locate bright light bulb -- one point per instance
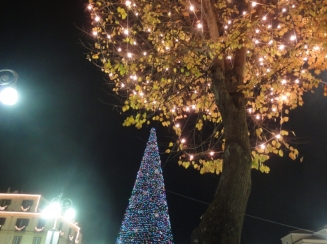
(257, 116)
(70, 214)
(191, 7)
(283, 81)
(89, 7)
(281, 47)
(128, 3)
(262, 146)
(199, 25)
(8, 96)
(126, 31)
(212, 153)
(191, 157)
(97, 18)
(95, 33)
(254, 4)
(129, 55)
(278, 136)
(293, 38)
(183, 141)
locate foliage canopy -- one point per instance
(158, 56)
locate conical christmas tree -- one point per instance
(146, 219)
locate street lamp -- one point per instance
(8, 79)
(57, 207)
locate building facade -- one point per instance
(306, 237)
(22, 221)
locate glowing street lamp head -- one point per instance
(8, 96)
(70, 214)
(52, 211)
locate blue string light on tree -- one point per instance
(146, 219)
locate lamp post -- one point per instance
(57, 207)
(8, 79)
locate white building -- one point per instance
(21, 221)
(306, 237)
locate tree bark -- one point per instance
(222, 223)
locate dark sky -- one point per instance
(62, 135)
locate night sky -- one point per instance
(63, 135)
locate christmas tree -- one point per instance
(146, 219)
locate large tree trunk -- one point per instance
(222, 223)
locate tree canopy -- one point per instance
(158, 56)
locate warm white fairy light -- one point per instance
(129, 55)
(128, 3)
(254, 4)
(95, 33)
(278, 136)
(274, 109)
(191, 157)
(244, 12)
(229, 57)
(284, 10)
(177, 125)
(283, 81)
(199, 26)
(191, 7)
(122, 85)
(169, 13)
(97, 18)
(257, 116)
(108, 36)
(257, 31)
(183, 141)
(144, 53)
(119, 49)
(262, 146)
(89, 7)
(269, 26)
(126, 31)
(212, 153)
(281, 47)
(264, 17)
(293, 38)
(297, 81)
